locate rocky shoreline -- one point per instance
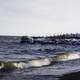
(68, 39)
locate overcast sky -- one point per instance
(39, 17)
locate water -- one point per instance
(11, 49)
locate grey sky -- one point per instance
(39, 17)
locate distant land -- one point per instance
(68, 39)
(59, 36)
(63, 36)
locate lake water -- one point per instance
(10, 48)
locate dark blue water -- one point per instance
(10, 48)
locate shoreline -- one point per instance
(71, 76)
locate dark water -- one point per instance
(10, 48)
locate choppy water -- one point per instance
(10, 48)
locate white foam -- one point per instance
(67, 56)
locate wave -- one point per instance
(47, 61)
(66, 56)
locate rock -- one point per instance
(26, 39)
(71, 76)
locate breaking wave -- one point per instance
(20, 64)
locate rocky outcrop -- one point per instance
(26, 39)
(71, 76)
(51, 40)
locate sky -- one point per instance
(39, 17)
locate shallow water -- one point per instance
(11, 49)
